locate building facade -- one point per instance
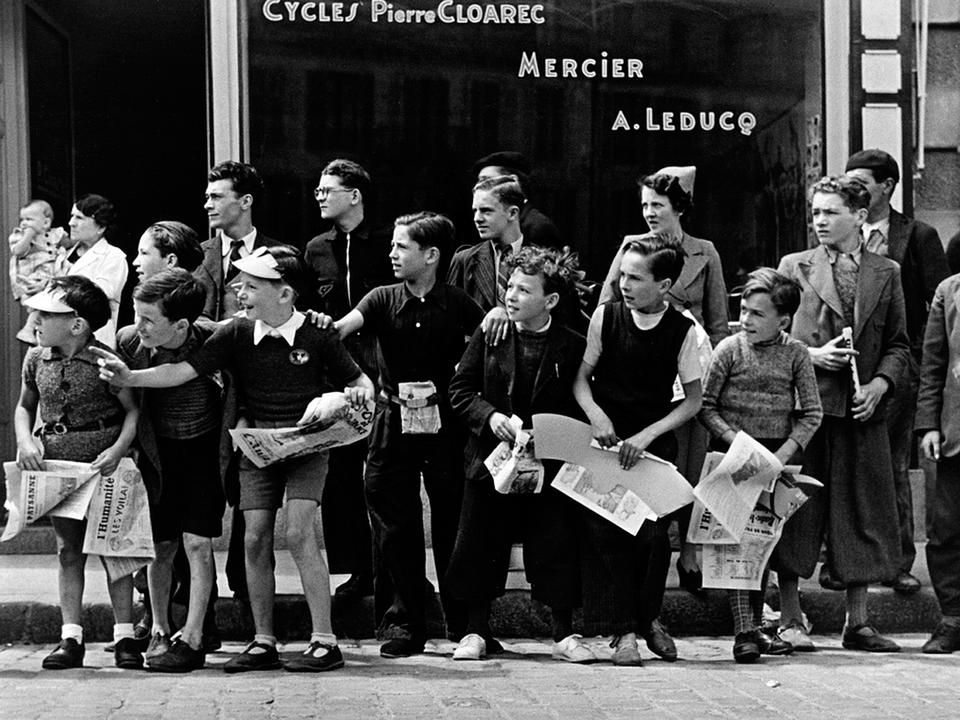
(135, 100)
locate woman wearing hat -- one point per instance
(665, 196)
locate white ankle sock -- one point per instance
(122, 630)
(270, 640)
(72, 631)
(325, 638)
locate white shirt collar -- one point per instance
(514, 246)
(541, 330)
(287, 331)
(882, 225)
(247, 239)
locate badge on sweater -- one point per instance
(299, 357)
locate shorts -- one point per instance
(191, 494)
(263, 488)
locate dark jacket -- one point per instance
(483, 385)
(923, 265)
(219, 304)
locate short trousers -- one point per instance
(263, 488)
(191, 495)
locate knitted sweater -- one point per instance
(767, 390)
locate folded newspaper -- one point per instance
(339, 423)
(116, 508)
(742, 501)
(62, 489)
(513, 466)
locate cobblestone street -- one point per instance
(526, 685)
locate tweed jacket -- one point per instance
(210, 274)
(472, 270)
(938, 405)
(880, 328)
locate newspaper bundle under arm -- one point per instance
(118, 522)
(650, 489)
(513, 466)
(730, 485)
(62, 489)
(339, 423)
(738, 542)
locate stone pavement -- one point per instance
(527, 685)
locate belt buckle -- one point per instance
(58, 428)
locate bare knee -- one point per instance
(195, 545)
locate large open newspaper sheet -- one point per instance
(339, 424)
(592, 476)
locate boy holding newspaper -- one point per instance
(530, 372)
(81, 419)
(636, 348)
(281, 365)
(761, 381)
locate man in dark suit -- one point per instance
(917, 249)
(536, 227)
(348, 261)
(233, 189)
(481, 270)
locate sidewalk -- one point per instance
(28, 605)
(524, 684)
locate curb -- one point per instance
(515, 615)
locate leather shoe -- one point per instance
(770, 643)
(625, 652)
(127, 654)
(904, 583)
(659, 642)
(827, 582)
(256, 656)
(401, 647)
(745, 647)
(945, 639)
(866, 638)
(69, 654)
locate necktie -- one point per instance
(845, 272)
(503, 273)
(347, 263)
(877, 243)
(234, 255)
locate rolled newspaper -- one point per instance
(848, 339)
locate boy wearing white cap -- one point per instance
(281, 366)
(81, 419)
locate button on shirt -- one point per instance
(421, 338)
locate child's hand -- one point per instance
(29, 455)
(358, 395)
(107, 461)
(603, 431)
(495, 326)
(930, 444)
(633, 447)
(112, 369)
(319, 319)
(501, 427)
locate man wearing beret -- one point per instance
(917, 249)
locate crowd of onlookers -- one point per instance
(458, 348)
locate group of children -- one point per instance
(621, 378)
